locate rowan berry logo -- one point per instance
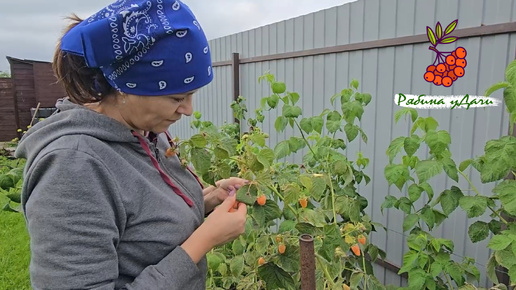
(448, 66)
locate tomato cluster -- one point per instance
(448, 69)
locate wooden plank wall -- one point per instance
(23, 85)
(47, 89)
(7, 116)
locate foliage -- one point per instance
(428, 262)
(4, 74)
(318, 197)
(11, 180)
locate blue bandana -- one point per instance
(144, 47)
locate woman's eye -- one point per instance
(179, 100)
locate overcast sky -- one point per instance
(29, 29)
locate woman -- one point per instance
(105, 208)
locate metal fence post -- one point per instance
(236, 78)
(307, 261)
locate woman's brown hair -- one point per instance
(82, 83)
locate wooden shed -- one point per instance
(32, 82)
(7, 116)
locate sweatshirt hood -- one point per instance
(71, 119)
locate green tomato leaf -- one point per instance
(450, 199)
(317, 123)
(491, 269)
(510, 73)
(351, 131)
(397, 174)
(289, 260)
(499, 242)
(428, 216)
(198, 141)
(478, 231)
(389, 202)
(286, 225)
(214, 260)
(296, 144)
(455, 272)
(273, 101)
(410, 221)
(506, 192)
(278, 87)
(354, 84)
(465, 164)
(281, 123)
(201, 160)
(427, 169)
(475, 206)
(263, 214)
(450, 168)
(417, 279)
(306, 125)
(411, 144)
(236, 265)
(438, 141)
(496, 87)
(414, 192)
(409, 260)
(291, 111)
(333, 121)
(395, 147)
(282, 149)
(247, 194)
(294, 97)
(406, 111)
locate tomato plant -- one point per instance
(318, 197)
(428, 262)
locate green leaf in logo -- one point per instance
(430, 35)
(451, 27)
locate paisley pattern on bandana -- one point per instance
(110, 10)
(145, 47)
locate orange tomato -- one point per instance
(282, 248)
(261, 199)
(303, 202)
(356, 249)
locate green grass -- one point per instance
(14, 251)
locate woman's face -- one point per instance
(155, 114)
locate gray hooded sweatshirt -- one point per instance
(99, 213)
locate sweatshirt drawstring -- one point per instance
(169, 138)
(165, 177)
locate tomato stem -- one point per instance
(325, 270)
(365, 271)
(478, 194)
(281, 198)
(304, 138)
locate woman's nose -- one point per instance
(186, 108)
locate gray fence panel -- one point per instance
(382, 72)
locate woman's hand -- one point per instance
(220, 227)
(213, 196)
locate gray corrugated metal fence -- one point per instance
(382, 72)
